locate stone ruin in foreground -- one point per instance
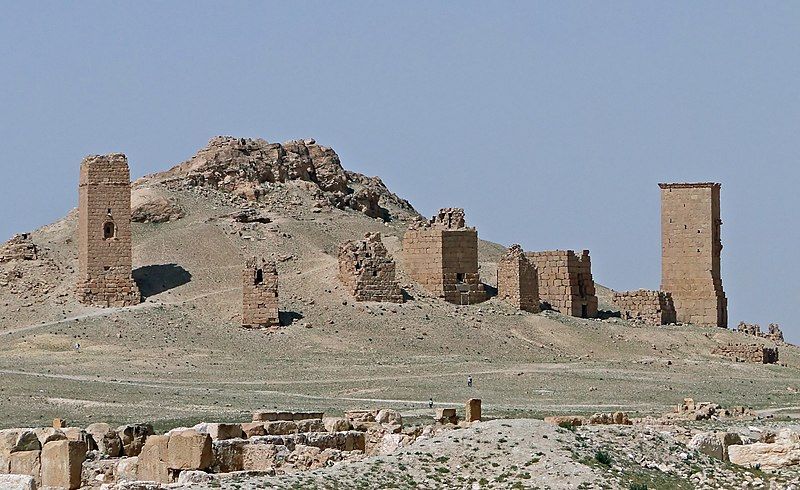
(565, 282)
(273, 443)
(260, 294)
(367, 271)
(442, 255)
(518, 281)
(649, 307)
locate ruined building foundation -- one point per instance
(442, 255)
(748, 353)
(691, 247)
(104, 233)
(517, 280)
(367, 271)
(260, 294)
(650, 307)
(565, 282)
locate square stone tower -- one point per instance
(691, 247)
(260, 294)
(517, 280)
(104, 232)
(565, 281)
(442, 255)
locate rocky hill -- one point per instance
(181, 355)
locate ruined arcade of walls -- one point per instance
(104, 233)
(691, 246)
(442, 256)
(565, 282)
(650, 307)
(517, 280)
(748, 353)
(367, 271)
(260, 294)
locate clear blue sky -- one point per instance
(550, 122)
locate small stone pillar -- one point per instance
(260, 294)
(473, 410)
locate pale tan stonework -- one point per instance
(650, 307)
(367, 271)
(565, 282)
(691, 247)
(104, 232)
(517, 280)
(442, 256)
(260, 294)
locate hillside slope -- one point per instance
(181, 354)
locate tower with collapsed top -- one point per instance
(691, 247)
(104, 232)
(442, 255)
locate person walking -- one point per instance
(469, 381)
(430, 403)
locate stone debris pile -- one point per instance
(19, 247)
(272, 443)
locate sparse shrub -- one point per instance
(603, 458)
(637, 486)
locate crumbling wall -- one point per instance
(691, 247)
(367, 271)
(517, 280)
(565, 282)
(442, 255)
(748, 353)
(774, 333)
(20, 247)
(260, 294)
(651, 307)
(104, 232)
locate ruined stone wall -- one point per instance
(442, 256)
(104, 232)
(260, 294)
(748, 353)
(565, 282)
(690, 252)
(517, 280)
(774, 333)
(651, 307)
(19, 247)
(367, 271)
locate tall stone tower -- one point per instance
(260, 294)
(104, 232)
(690, 252)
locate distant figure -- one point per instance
(469, 381)
(77, 346)
(430, 403)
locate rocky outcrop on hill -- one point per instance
(246, 167)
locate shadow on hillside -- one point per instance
(491, 291)
(155, 279)
(286, 318)
(606, 314)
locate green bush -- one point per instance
(603, 458)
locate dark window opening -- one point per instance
(584, 311)
(109, 231)
(106, 268)
(460, 277)
(259, 276)
(374, 273)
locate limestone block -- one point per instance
(133, 437)
(220, 431)
(262, 457)
(388, 416)
(126, 469)
(48, 434)
(228, 455)
(280, 427)
(707, 443)
(106, 438)
(189, 450)
(473, 410)
(61, 464)
(765, 456)
(17, 482)
(310, 425)
(151, 465)
(252, 429)
(336, 424)
(27, 463)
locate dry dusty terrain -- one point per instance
(181, 357)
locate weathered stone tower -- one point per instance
(691, 247)
(104, 232)
(260, 294)
(565, 281)
(367, 271)
(517, 280)
(442, 255)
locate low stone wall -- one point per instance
(748, 353)
(650, 307)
